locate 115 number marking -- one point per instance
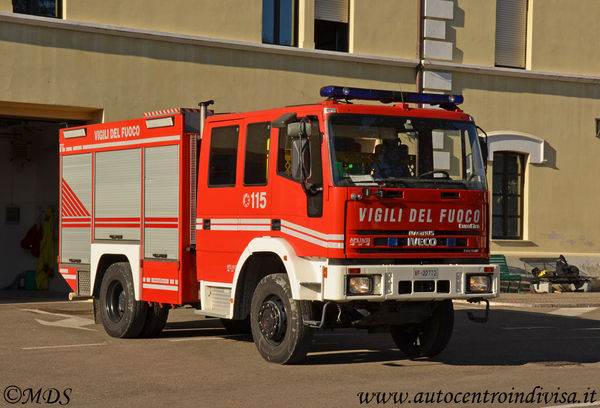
(255, 200)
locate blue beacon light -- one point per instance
(385, 96)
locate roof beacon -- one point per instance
(346, 93)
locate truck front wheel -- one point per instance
(122, 315)
(428, 338)
(276, 321)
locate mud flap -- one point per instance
(478, 319)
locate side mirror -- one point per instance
(299, 132)
(300, 165)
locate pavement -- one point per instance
(523, 299)
(556, 299)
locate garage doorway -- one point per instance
(29, 165)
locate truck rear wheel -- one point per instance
(428, 338)
(122, 315)
(276, 321)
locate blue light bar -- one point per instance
(341, 92)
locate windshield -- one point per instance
(395, 151)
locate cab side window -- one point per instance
(222, 160)
(256, 165)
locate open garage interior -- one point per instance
(29, 201)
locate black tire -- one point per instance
(122, 315)
(428, 338)
(236, 326)
(276, 321)
(97, 311)
(156, 318)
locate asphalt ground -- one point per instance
(547, 345)
(523, 299)
(556, 299)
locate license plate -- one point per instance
(426, 273)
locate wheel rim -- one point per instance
(115, 301)
(417, 340)
(413, 343)
(272, 320)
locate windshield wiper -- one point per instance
(444, 173)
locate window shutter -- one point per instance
(511, 33)
(332, 10)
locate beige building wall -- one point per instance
(473, 32)
(562, 35)
(6, 6)
(128, 75)
(374, 30)
(565, 36)
(231, 19)
(388, 28)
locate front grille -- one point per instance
(409, 261)
(423, 286)
(417, 242)
(443, 286)
(404, 287)
(405, 250)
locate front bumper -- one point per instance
(409, 282)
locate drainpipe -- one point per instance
(420, 36)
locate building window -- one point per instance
(507, 195)
(511, 33)
(256, 165)
(279, 22)
(222, 161)
(331, 25)
(598, 128)
(44, 8)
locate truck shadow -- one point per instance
(509, 338)
(206, 327)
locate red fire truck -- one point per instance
(282, 221)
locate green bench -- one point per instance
(505, 274)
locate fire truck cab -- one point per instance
(282, 221)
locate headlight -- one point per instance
(480, 284)
(360, 285)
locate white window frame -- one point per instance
(506, 140)
(524, 143)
